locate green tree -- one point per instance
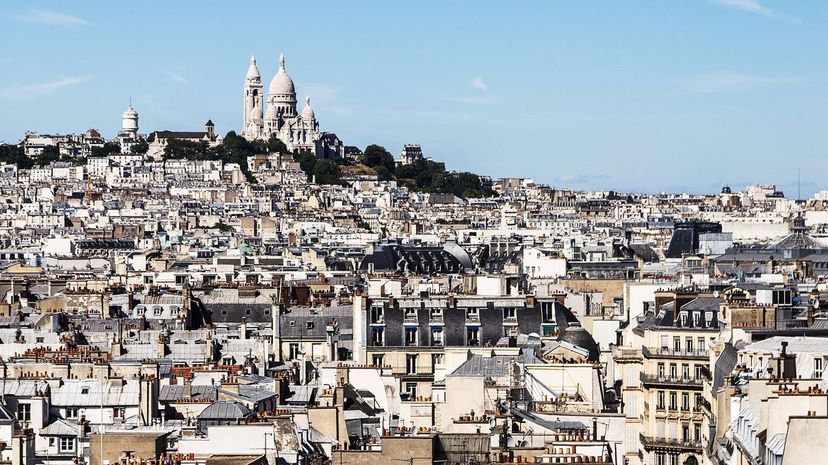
(327, 172)
(49, 154)
(14, 154)
(106, 150)
(376, 155)
(139, 148)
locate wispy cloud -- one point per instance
(35, 90)
(478, 84)
(753, 6)
(177, 77)
(735, 82)
(48, 17)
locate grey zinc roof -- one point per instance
(496, 365)
(60, 427)
(5, 415)
(224, 410)
(703, 303)
(24, 387)
(90, 392)
(174, 393)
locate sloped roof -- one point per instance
(60, 427)
(224, 410)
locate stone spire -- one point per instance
(253, 70)
(282, 61)
(307, 112)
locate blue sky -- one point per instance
(676, 96)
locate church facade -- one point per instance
(299, 131)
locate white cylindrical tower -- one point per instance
(129, 121)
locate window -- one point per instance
(660, 458)
(473, 314)
(817, 367)
(472, 336)
(698, 373)
(685, 433)
(24, 412)
(436, 360)
(411, 364)
(697, 432)
(696, 318)
(708, 316)
(377, 316)
(437, 336)
(660, 404)
(673, 371)
(673, 400)
(689, 345)
(85, 390)
(157, 310)
(411, 336)
(377, 336)
(118, 412)
(674, 459)
(685, 401)
(66, 444)
(174, 310)
(436, 314)
(510, 315)
(410, 314)
(660, 371)
(548, 312)
(378, 360)
(701, 345)
(677, 344)
(293, 351)
(685, 372)
(71, 412)
(683, 319)
(411, 390)
(309, 324)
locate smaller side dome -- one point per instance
(307, 113)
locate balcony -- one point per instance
(676, 445)
(677, 382)
(666, 352)
(626, 353)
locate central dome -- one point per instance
(281, 82)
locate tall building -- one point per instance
(299, 131)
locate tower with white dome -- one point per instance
(253, 102)
(299, 131)
(129, 122)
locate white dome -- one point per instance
(281, 83)
(307, 112)
(253, 71)
(130, 113)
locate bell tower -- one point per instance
(253, 101)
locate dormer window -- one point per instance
(709, 317)
(696, 317)
(684, 318)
